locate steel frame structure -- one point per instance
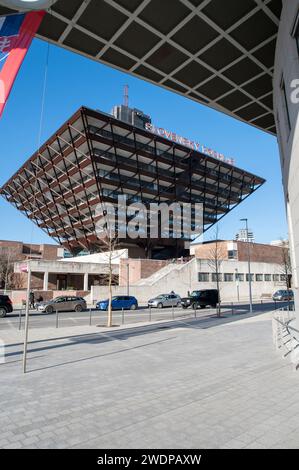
(93, 158)
(219, 53)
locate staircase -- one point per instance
(167, 271)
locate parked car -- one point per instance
(165, 300)
(119, 302)
(283, 295)
(5, 306)
(63, 304)
(201, 299)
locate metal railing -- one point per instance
(285, 336)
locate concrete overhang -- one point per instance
(218, 53)
(59, 267)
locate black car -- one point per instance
(5, 305)
(201, 299)
(283, 295)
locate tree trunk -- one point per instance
(218, 305)
(109, 319)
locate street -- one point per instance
(16, 320)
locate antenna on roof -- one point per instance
(126, 96)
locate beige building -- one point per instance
(147, 278)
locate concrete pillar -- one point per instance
(85, 287)
(46, 281)
(286, 104)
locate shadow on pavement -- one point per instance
(184, 321)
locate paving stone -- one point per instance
(217, 386)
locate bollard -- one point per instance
(232, 305)
(90, 312)
(195, 312)
(123, 316)
(172, 312)
(56, 318)
(20, 320)
(150, 314)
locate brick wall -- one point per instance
(207, 250)
(260, 253)
(19, 251)
(11, 248)
(49, 252)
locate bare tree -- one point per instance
(111, 244)
(109, 240)
(216, 255)
(6, 270)
(285, 264)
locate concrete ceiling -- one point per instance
(219, 53)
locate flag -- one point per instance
(16, 35)
(9, 31)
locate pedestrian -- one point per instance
(31, 300)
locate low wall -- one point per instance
(144, 293)
(228, 292)
(141, 293)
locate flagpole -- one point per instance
(20, 46)
(27, 319)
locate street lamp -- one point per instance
(249, 270)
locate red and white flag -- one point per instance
(16, 34)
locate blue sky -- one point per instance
(74, 81)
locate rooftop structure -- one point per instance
(245, 235)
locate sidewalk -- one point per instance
(13, 336)
(174, 384)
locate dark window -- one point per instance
(214, 277)
(203, 277)
(259, 277)
(268, 277)
(252, 277)
(228, 277)
(232, 254)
